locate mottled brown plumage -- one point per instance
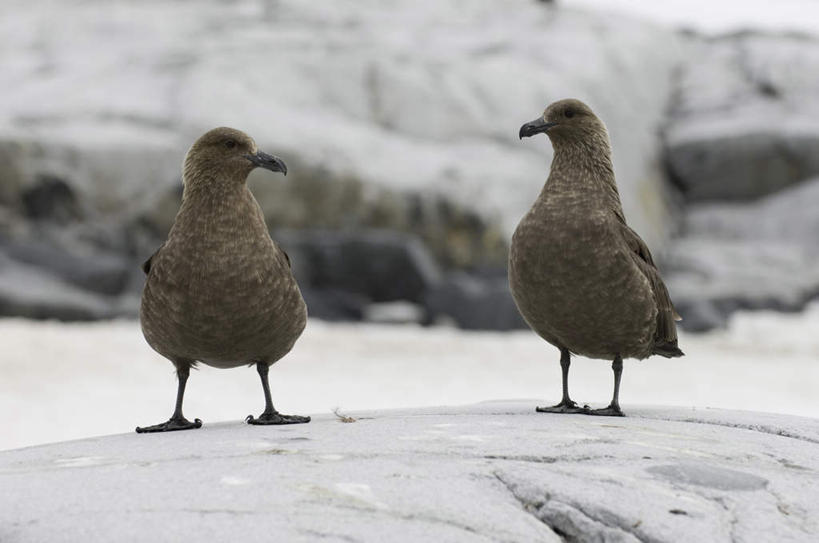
(219, 290)
(581, 277)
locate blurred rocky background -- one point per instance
(398, 121)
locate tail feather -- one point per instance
(668, 349)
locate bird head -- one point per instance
(228, 153)
(565, 120)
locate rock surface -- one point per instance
(390, 115)
(474, 302)
(741, 144)
(376, 265)
(426, 100)
(743, 120)
(488, 472)
(759, 255)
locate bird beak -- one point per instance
(268, 162)
(534, 127)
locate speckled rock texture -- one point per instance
(486, 472)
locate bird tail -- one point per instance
(667, 349)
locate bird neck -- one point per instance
(216, 213)
(216, 199)
(216, 186)
(588, 149)
(584, 167)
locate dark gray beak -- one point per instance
(268, 162)
(534, 127)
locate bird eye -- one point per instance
(230, 144)
(568, 113)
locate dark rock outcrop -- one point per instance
(51, 199)
(95, 271)
(378, 264)
(341, 272)
(474, 303)
(743, 120)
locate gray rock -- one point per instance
(380, 131)
(761, 255)
(91, 270)
(388, 113)
(379, 265)
(495, 471)
(332, 304)
(690, 473)
(28, 291)
(743, 121)
(742, 144)
(701, 314)
(108, 173)
(51, 199)
(76, 271)
(743, 163)
(785, 216)
(474, 303)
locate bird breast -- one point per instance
(574, 283)
(221, 290)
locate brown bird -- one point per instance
(581, 278)
(220, 291)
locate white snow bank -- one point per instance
(66, 381)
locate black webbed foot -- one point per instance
(172, 425)
(613, 410)
(276, 418)
(566, 406)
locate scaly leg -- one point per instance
(270, 415)
(177, 420)
(566, 405)
(613, 410)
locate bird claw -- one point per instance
(170, 425)
(564, 407)
(276, 419)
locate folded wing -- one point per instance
(665, 337)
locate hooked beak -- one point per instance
(268, 162)
(534, 127)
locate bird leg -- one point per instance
(270, 415)
(566, 405)
(177, 420)
(613, 410)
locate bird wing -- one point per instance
(666, 335)
(284, 253)
(146, 266)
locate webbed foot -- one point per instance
(565, 406)
(172, 425)
(275, 418)
(613, 410)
